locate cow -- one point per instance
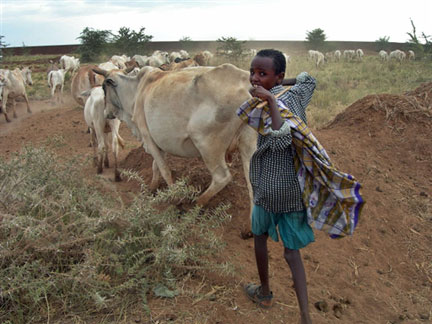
(83, 80)
(142, 60)
(173, 66)
(383, 55)
(337, 55)
(349, 55)
(69, 63)
(99, 128)
(56, 83)
(14, 86)
(187, 113)
(119, 61)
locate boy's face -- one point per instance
(262, 73)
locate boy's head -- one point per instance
(267, 68)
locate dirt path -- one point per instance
(382, 274)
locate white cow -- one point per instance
(184, 55)
(142, 60)
(349, 55)
(14, 86)
(312, 55)
(159, 57)
(337, 55)
(411, 55)
(174, 56)
(99, 128)
(119, 61)
(56, 83)
(383, 55)
(199, 103)
(397, 55)
(108, 66)
(359, 54)
(69, 63)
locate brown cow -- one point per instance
(188, 113)
(85, 79)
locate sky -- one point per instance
(60, 22)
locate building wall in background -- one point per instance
(290, 47)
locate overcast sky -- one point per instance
(57, 22)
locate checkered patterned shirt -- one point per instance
(272, 172)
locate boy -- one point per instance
(278, 206)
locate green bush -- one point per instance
(66, 248)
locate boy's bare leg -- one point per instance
(293, 258)
(261, 256)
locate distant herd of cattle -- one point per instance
(169, 106)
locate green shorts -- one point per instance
(293, 228)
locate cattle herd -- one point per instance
(350, 55)
(172, 103)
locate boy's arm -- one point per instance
(289, 82)
(303, 88)
(266, 95)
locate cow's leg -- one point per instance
(27, 102)
(53, 98)
(214, 158)
(93, 143)
(61, 93)
(115, 150)
(156, 175)
(101, 147)
(159, 162)
(4, 107)
(13, 104)
(105, 152)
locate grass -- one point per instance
(68, 249)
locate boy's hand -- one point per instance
(260, 92)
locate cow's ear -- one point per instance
(111, 82)
(100, 71)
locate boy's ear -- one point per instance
(280, 77)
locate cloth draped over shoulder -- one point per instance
(332, 198)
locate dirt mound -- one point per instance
(412, 107)
(392, 125)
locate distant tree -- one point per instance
(428, 43)
(382, 43)
(414, 43)
(185, 43)
(316, 38)
(2, 45)
(231, 47)
(93, 43)
(130, 42)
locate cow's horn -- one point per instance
(100, 71)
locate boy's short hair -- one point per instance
(278, 58)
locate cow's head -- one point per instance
(26, 73)
(112, 100)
